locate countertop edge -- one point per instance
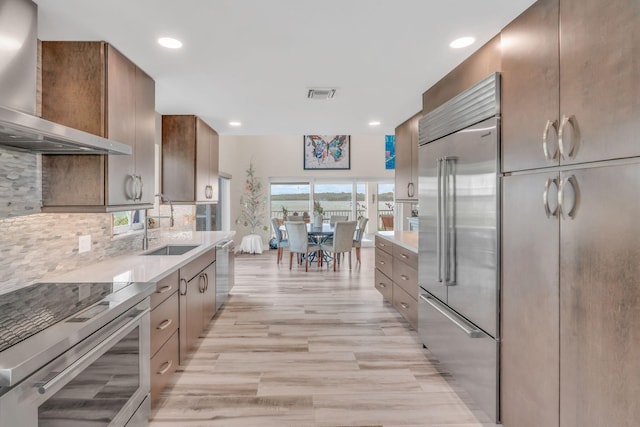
(405, 239)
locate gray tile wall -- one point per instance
(35, 244)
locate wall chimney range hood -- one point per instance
(30, 133)
(20, 128)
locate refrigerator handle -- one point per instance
(439, 221)
(545, 140)
(451, 221)
(456, 320)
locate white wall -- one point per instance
(281, 157)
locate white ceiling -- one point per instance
(253, 60)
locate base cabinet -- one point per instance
(396, 278)
(197, 300)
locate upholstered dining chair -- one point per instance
(357, 241)
(387, 222)
(335, 218)
(282, 242)
(342, 241)
(299, 242)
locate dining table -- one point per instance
(319, 235)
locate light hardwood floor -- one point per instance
(310, 349)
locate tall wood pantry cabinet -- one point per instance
(92, 87)
(406, 183)
(189, 160)
(570, 257)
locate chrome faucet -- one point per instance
(145, 239)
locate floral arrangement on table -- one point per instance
(285, 211)
(253, 203)
(317, 209)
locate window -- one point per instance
(335, 199)
(127, 221)
(294, 197)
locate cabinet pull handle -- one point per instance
(185, 287)
(164, 289)
(140, 187)
(208, 191)
(381, 262)
(574, 184)
(403, 277)
(164, 325)
(201, 283)
(564, 153)
(382, 285)
(165, 367)
(404, 256)
(545, 197)
(403, 305)
(206, 281)
(545, 140)
(460, 323)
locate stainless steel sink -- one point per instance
(172, 250)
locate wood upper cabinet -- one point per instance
(406, 185)
(92, 87)
(571, 78)
(189, 160)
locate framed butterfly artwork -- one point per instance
(327, 152)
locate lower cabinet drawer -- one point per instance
(384, 262)
(384, 285)
(164, 322)
(406, 277)
(163, 365)
(164, 288)
(406, 305)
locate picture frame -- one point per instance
(390, 152)
(327, 152)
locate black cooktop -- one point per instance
(29, 310)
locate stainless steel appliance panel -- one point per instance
(462, 349)
(225, 275)
(530, 346)
(600, 296)
(458, 203)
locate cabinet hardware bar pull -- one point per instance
(545, 139)
(381, 262)
(382, 285)
(185, 287)
(403, 305)
(164, 325)
(164, 289)
(404, 256)
(565, 149)
(141, 187)
(574, 184)
(545, 197)
(165, 367)
(403, 277)
(471, 332)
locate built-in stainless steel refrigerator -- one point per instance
(458, 239)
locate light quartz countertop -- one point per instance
(406, 239)
(137, 267)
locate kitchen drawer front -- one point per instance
(163, 366)
(164, 322)
(464, 351)
(384, 285)
(384, 245)
(165, 288)
(408, 257)
(384, 262)
(405, 277)
(192, 269)
(406, 305)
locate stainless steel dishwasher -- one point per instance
(225, 271)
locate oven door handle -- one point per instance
(89, 357)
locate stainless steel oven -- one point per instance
(98, 380)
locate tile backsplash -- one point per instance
(35, 244)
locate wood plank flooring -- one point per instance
(291, 348)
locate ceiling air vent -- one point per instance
(320, 93)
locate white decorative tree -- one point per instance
(253, 203)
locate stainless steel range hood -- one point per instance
(20, 128)
(31, 133)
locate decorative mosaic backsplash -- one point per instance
(35, 244)
(20, 189)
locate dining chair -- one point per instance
(335, 218)
(299, 242)
(387, 222)
(342, 241)
(357, 241)
(282, 242)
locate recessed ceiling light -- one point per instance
(462, 42)
(170, 43)
(235, 123)
(374, 123)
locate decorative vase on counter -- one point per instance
(317, 220)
